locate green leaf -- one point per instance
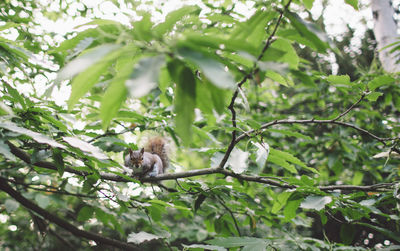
(18, 51)
(145, 76)
(9, 25)
(85, 147)
(15, 94)
(5, 109)
(117, 92)
(42, 200)
(277, 78)
(252, 31)
(172, 18)
(353, 3)
(58, 161)
(11, 205)
(291, 133)
(357, 178)
(83, 62)
(256, 246)
(280, 162)
(290, 158)
(290, 210)
(86, 80)
(34, 135)
(315, 202)
(339, 79)
(373, 96)
(310, 31)
(262, 153)
(231, 242)
(308, 4)
(211, 68)
(85, 213)
(280, 201)
(5, 150)
(380, 81)
(283, 54)
(100, 22)
(142, 30)
(238, 160)
(204, 247)
(141, 237)
(185, 99)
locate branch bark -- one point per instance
(278, 182)
(4, 186)
(248, 76)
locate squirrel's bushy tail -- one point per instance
(157, 145)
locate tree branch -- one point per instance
(245, 78)
(313, 121)
(4, 186)
(199, 172)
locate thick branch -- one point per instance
(199, 172)
(61, 222)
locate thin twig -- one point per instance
(245, 78)
(350, 108)
(50, 189)
(221, 201)
(313, 121)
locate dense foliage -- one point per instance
(269, 149)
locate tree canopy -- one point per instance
(270, 149)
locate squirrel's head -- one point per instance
(136, 157)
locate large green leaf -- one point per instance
(84, 61)
(145, 76)
(85, 213)
(292, 159)
(380, 81)
(281, 162)
(252, 31)
(185, 99)
(85, 147)
(5, 109)
(40, 138)
(238, 160)
(231, 242)
(204, 247)
(42, 200)
(310, 31)
(339, 79)
(211, 68)
(141, 237)
(290, 210)
(117, 92)
(6, 152)
(172, 18)
(315, 202)
(18, 98)
(85, 81)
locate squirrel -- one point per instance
(151, 160)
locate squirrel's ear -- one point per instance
(130, 151)
(142, 151)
